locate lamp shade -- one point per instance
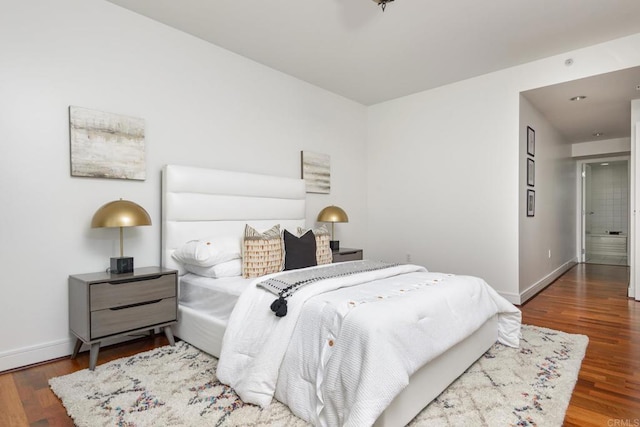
(120, 213)
(333, 214)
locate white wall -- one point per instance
(202, 106)
(444, 167)
(547, 245)
(634, 187)
(439, 186)
(599, 148)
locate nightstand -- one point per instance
(347, 254)
(105, 305)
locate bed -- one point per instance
(199, 202)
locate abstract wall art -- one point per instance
(316, 171)
(106, 145)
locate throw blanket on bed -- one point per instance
(286, 284)
(357, 341)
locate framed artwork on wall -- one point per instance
(531, 141)
(316, 172)
(531, 172)
(531, 203)
(106, 145)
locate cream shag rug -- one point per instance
(177, 386)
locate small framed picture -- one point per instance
(531, 141)
(531, 172)
(531, 203)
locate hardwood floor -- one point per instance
(27, 400)
(590, 299)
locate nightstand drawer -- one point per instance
(118, 293)
(347, 255)
(113, 321)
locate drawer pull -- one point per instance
(135, 279)
(136, 305)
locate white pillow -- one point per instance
(225, 269)
(208, 252)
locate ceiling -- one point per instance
(605, 110)
(352, 48)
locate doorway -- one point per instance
(605, 211)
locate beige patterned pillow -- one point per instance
(262, 253)
(323, 251)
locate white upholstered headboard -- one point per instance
(202, 203)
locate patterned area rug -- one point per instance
(176, 386)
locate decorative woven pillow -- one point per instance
(323, 251)
(262, 253)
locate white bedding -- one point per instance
(212, 297)
(356, 344)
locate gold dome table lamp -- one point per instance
(333, 214)
(120, 213)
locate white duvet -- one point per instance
(348, 345)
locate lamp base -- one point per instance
(121, 265)
(334, 245)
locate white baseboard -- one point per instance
(546, 281)
(511, 297)
(39, 353)
(35, 354)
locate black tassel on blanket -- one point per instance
(279, 307)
